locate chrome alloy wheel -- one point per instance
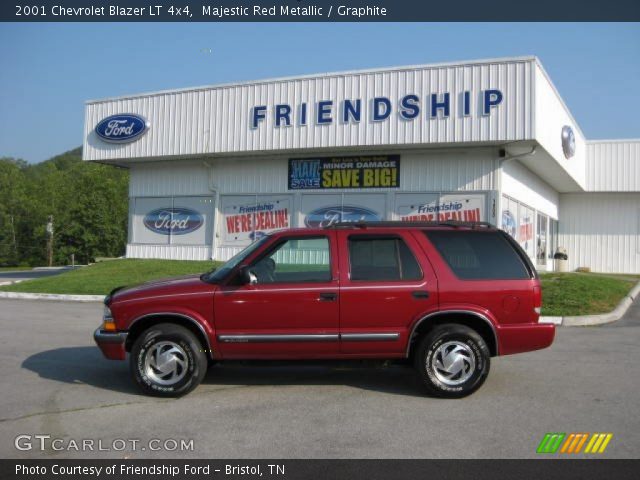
(166, 363)
(453, 363)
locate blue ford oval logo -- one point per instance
(568, 141)
(174, 221)
(122, 128)
(327, 216)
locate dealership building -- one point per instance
(213, 168)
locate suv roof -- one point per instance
(401, 224)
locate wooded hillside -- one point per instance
(88, 203)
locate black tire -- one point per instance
(472, 355)
(185, 361)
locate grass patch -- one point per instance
(101, 278)
(583, 293)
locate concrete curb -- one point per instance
(50, 269)
(601, 319)
(52, 296)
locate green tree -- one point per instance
(88, 202)
(12, 208)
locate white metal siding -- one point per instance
(226, 252)
(613, 166)
(463, 169)
(523, 185)
(161, 179)
(472, 169)
(551, 115)
(169, 252)
(601, 231)
(216, 119)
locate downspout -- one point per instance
(214, 189)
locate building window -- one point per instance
(525, 229)
(542, 239)
(553, 238)
(539, 239)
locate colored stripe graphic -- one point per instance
(598, 443)
(573, 443)
(550, 443)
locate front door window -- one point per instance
(293, 261)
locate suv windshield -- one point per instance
(218, 274)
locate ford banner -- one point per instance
(173, 221)
(326, 216)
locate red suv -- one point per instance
(448, 296)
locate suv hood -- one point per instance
(161, 288)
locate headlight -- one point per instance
(108, 323)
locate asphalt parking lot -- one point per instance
(20, 275)
(55, 382)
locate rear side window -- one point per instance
(379, 258)
(476, 255)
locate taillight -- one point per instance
(537, 299)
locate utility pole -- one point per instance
(13, 236)
(50, 240)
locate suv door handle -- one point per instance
(328, 297)
(420, 294)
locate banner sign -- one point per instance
(463, 208)
(246, 221)
(344, 172)
(326, 216)
(173, 221)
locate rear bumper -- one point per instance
(525, 337)
(112, 344)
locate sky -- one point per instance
(48, 71)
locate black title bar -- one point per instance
(164, 469)
(317, 10)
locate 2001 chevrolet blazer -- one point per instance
(449, 296)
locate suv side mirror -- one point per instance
(247, 277)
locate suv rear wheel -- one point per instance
(167, 360)
(452, 361)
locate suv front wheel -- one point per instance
(167, 360)
(452, 361)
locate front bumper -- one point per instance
(525, 337)
(112, 344)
